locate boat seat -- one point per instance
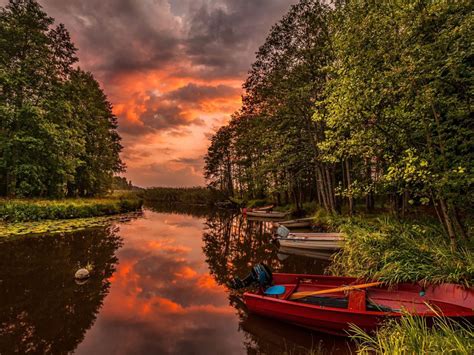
(357, 300)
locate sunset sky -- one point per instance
(173, 70)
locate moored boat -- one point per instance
(331, 311)
(321, 241)
(296, 223)
(245, 210)
(310, 253)
(267, 214)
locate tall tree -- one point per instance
(50, 121)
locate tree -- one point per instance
(55, 119)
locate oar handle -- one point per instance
(303, 294)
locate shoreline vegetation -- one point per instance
(357, 107)
(60, 226)
(181, 195)
(39, 216)
(361, 113)
(23, 210)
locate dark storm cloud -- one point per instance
(120, 36)
(204, 39)
(223, 35)
(197, 93)
(123, 36)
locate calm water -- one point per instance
(157, 287)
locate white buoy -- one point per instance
(82, 274)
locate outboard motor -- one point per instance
(259, 275)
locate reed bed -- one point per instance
(412, 335)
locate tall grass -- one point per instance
(388, 250)
(20, 210)
(412, 335)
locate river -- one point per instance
(157, 287)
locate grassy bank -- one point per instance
(22, 210)
(385, 249)
(411, 335)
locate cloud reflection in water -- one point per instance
(162, 299)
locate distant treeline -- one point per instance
(358, 101)
(57, 130)
(121, 183)
(181, 195)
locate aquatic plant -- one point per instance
(62, 226)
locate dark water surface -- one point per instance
(157, 288)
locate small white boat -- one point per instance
(316, 241)
(296, 223)
(267, 214)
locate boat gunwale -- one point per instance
(459, 314)
(297, 278)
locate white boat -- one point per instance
(267, 214)
(315, 241)
(296, 223)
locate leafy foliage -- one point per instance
(268, 148)
(358, 100)
(57, 130)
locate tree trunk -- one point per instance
(404, 208)
(330, 191)
(448, 223)
(350, 198)
(321, 188)
(458, 223)
(369, 198)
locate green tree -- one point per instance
(57, 130)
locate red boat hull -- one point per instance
(450, 300)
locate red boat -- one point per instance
(366, 307)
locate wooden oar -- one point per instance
(298, 295)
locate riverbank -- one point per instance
(386, 249)
(24, 210)
(412, 335)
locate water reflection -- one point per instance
(158, 287)
(42, 309)
(162, 298)
(233, 244)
